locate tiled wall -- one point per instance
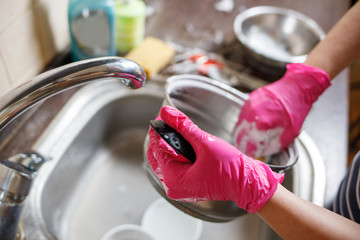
(32, 32)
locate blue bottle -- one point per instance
(92, 28)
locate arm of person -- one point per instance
(294, 218)
(341, 45)
(273, 115)
(221, 172)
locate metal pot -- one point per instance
(273, 37)
(215, 108)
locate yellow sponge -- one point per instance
(152, 55)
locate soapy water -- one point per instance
(257, 143)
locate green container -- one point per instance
(130, 24)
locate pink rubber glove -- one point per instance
(273, 116)
(220, 172)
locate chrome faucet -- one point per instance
(17, 172)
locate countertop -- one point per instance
(198, 24)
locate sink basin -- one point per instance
(96, 178)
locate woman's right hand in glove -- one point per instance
(220, 171)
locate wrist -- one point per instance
(300, 83)
(314, 79)
(256, 185)
(310, 80)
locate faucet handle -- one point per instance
(16, 175)
(31, 160)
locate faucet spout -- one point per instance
(17, 172)
(68, 76)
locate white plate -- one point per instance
(127, 232)
(163, 221)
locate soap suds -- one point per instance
(266, 142)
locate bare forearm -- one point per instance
(341, 45)
(294, 218)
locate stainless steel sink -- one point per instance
(96, 179)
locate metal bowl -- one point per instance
(215, 108)
(273, 37)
